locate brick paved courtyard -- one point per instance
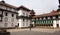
(34, 31)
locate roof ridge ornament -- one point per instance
(3, 1)
(58, 10)
(59, 4)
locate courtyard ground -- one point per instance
(35, 31)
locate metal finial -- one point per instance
(3, 1)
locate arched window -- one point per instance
(46, 17)
(5, 19)
(56, 16)
(5, 24)
(42, 18)
(51, 17)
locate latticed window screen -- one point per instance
(43, 21)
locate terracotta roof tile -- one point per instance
(23, 7)
(48, 14)
(8, 5)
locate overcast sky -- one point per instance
(39, 6)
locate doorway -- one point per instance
(57, 25)
(18, 24)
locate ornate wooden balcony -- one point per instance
(26, 17)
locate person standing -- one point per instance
(30, 26)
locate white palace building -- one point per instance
(8, 15)
(11, 16)
(23, 17)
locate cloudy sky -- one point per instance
(39, 6)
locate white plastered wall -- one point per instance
(54, 23)
(59, 21)
(9, 23)
(26, 23)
